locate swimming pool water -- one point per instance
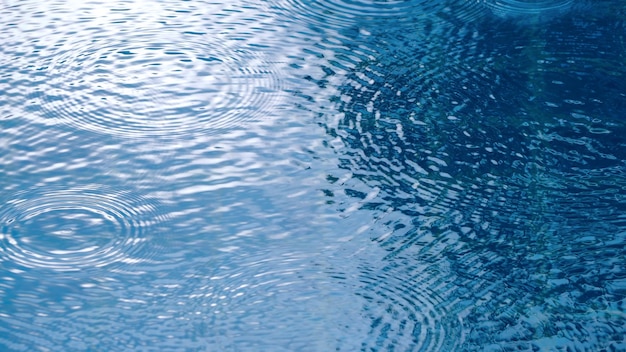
(291, 175)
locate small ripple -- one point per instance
(430, 157)
(76, 228)
(419, 148)
(409, 308)
(346, 11)
(284, 294)
(148, 85)
(513, 8)
(341, 13)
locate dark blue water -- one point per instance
(292, 175)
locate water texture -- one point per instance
(291, 175)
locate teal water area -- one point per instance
(291, 175)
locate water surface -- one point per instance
(313, 175)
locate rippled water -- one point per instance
(313, 175)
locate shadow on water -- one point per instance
(496, 152)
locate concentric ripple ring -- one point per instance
(409, 313)
(513, 8)
(69, 229)
(150, 84)
(339, 13)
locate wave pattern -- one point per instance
(473, 201)
(130, 73)
(500, 146)
(342, 14)
(144, 87)
(237, 304)
(514, 8)
(408, 309)
(75, 228)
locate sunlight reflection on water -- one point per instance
(312, 175)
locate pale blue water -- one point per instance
(291, 175)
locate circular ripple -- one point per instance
(503, 147)
(484, 120)
(152, 85)
(410, 309)
(410, 114)
(337, 13)
(72, 229)
(513, 8)
(272, 293)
